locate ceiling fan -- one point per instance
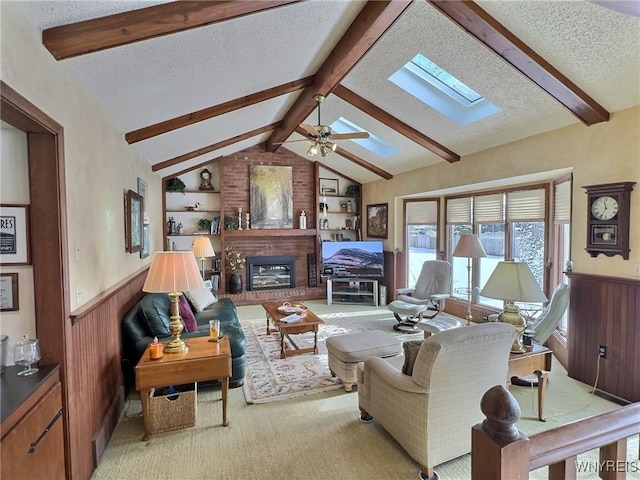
(322, 137)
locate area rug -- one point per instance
(270, 378)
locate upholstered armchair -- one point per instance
(430, 412)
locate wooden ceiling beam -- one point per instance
(392, 122)
(495, 36)
(216, 146)
(211, 112)
(372, 22)
(80, 38)
(363, 163)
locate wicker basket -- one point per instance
(172, 411)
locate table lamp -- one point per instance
(469, 247)
(513, 282)
(203, 249)
(173, 273)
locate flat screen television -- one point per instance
(353, 259)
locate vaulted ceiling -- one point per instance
(190, 81)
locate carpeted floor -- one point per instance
(310, 437)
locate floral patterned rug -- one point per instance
(270, 378)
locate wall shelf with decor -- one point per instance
(339, 209)
(196, 210)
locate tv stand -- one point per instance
(352, 290)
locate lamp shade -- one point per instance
(173, 272)
(202, 248)
(514, 282)
(469, 246)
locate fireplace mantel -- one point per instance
(266, 232)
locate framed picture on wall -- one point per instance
(134, 220)
(329, 186)
(9, 292)
(14, 235)
(377, 220)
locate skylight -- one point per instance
(436, 87)
(374, 143)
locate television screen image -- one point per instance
(353, 259)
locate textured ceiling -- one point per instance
(144, 83)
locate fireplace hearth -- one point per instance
(271, 272)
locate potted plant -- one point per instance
(204, 224)
(235, 265)
(175, 185)
(353, 190)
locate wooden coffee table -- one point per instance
(308, 324)
(203, 360)
(538, 362)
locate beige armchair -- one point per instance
(430, 412)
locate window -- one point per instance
(374, 143)
(562, 237)
(442, 91)
(421, 236)
(510, 226)
(458, 223)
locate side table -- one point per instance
(203, 360)
(538, 362)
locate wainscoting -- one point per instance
(94, 375)
(605, 311)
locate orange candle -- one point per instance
(155, 349)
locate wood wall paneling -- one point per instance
(605, 311)
(95, 341)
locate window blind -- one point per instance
(488, 208)
(422, 213)
(459, 211)
(526, 205)
(562, 203)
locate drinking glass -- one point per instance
(27, 353)
(214, 330)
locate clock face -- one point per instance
(604, 208)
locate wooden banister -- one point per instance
(500, 452)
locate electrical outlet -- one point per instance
(603, 351)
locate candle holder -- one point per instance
(239, 219)
(247, 219)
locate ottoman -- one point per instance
(347, 351)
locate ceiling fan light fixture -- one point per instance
(332, 146)
(313, 149)
(323, 150)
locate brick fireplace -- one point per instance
(235, 178)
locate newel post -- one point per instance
(499, 451)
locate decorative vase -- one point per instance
(235, 283)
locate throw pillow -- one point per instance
(200, 299)
(188, 319)
(411, 350)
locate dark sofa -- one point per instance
(150, 318)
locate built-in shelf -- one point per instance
(193, 211)
(266, 232)
(196, 191)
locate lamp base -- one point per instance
(512, 315)
(176, 344)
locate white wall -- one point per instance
(14, 189)
(607, 152)
(99, 165)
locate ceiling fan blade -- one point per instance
(349, 136)
(292, 141)
(310, 129)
